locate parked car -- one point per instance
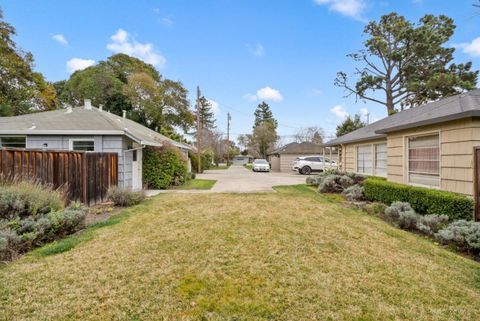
(260, 165)
(308, 164)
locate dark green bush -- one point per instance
(122, 196)
(207, 159)
(423, 200)
(163, 167)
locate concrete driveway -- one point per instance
(238, 179)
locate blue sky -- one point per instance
(239, 51)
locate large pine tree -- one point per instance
(207, 116)
(263, 115)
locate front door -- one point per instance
(137, 169)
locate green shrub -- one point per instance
(20, 234)
(163, 167)
(25, 198)
(463, 234)
(354, 193)
(334, 183)
(121, 196)
(403, 215)
(207, 158)
(423, 200)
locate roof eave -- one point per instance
(59, 132)
(431, 121)
(351, 141)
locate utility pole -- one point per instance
(368, 117)
(229, 118)
(199, 134)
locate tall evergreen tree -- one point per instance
(263, 115)
(207, 116)
(349, 125)
(408, 63)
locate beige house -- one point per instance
(282, 158)
(434, 145)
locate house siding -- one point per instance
(457, 140)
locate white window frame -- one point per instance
(374, 166)
(371, 155)
(71, 140)
(407, 160)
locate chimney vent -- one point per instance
(88, 104)
(124, 113)
(100, 107)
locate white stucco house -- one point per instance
(87, 128)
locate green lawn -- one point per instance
(203, 184)
(291, 255)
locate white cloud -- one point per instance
(317, 92)
(257, 50)
(167, 21)
(122, 42)
(265, 93)
(268, 93)
(214, 105)
(75, 64)
(470, 48)
(60, 39)
(339, 111)
(350, 8)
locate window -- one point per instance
(134, 156)
(364, 159)
(15, 142)
(381, 160)
(424, 160)
(82, 145)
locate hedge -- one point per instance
(163, 167)
(423, 200)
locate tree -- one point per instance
(242, 141)
(312, 134)
(207, 116)
(127, 83)
(22, 90)
(262, 139)
(263, 115)
(409, 63)
(156, 104)
(349, 125)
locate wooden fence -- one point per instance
(85, 176)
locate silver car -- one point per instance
(261, 165)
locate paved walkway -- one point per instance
(237, 179)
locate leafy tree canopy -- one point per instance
(22, 90)
(127, 83)
(408, 63)
(349, 125)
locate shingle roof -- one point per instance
(447, 109)
(81, 121)
(299, 148)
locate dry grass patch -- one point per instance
(284, 256)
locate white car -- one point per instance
(261, 165)
(308, 164)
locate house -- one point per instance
(282, 158)
(241, 159)
(433, 145)
(86, 128)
